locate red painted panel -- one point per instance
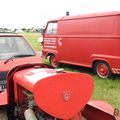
(102, 105)
(92, 113)
(63, 95)
(3, 98)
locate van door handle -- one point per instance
(60, 41)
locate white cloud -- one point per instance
(35, 13)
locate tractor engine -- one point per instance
(48, 94)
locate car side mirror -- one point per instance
(42, 31)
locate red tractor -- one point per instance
(38, 92)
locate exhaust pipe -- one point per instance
(30, 115)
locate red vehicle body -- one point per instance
(86, 40)
(37, 92)
(14, 51)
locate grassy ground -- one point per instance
(107, 89)
(33, 38)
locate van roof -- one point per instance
(111, 13)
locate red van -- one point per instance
(86, 40)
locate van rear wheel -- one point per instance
(102, 69)
(53, 61)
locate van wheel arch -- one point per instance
(102, 69)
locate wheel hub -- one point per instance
(102, 70)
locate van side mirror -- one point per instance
(42, 31)
(40, 39)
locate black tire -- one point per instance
(102, 69)
(53, 61)
(3, 113)
(10, 113)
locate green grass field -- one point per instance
(33, 38)
(104, 89)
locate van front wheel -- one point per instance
(53, 61)
(102, 69)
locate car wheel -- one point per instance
(53, 61)
(102, 69)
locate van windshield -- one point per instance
(10, 46)
(51, 28)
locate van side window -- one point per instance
(51, 28)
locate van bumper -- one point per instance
(116, 70)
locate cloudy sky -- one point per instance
(35, 13)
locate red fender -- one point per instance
(63, 95)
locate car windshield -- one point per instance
(10, 46)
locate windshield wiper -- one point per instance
(17, 56)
